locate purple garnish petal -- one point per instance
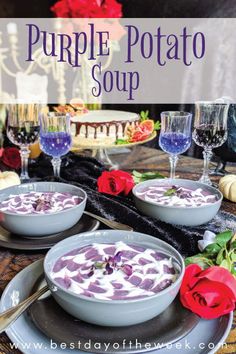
(109, 269)
(117, 257)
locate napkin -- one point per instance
(84, 171)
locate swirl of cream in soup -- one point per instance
(176, 196)
(84, 271)
(39, 203)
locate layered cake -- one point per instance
(102, 127)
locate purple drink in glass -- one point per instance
(55, 144)
(174, 143)
(55, 137)
(175, 136)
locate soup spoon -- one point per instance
(111, 223)
(9, 316)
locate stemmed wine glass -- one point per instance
(175, 135)
(210, 130)
(23, 130)
(55, 137)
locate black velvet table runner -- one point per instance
(84, 171)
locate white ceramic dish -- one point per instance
(186, 216)
(30, 340)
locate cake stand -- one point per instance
(100, 152)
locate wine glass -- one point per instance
(175, 135)
(210, 130)
(55, 137)
(23, 130)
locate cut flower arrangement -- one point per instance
(209, 284)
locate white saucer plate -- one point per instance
(206, 338)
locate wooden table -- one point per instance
(141, 159)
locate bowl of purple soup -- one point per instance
(113, 278)
(178, 201)
(41, 208)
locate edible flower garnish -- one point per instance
(171, 191)
(42, 204)
(110, 264)
(178, 191)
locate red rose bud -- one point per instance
(209, 293)
(115, 182)
(11, 157)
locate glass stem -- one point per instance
(173, 162)
(56, 163)
(207, 154)
(24, 153)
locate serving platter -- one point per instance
(19, 242)
(100, 152)
(169, 327)
(29, 338)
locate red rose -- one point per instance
(87, 9)
(115, 182)
(11, 157)
(61, 9)
(209, 293)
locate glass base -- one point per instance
(103, 156)
(24, 178)
(206, 180)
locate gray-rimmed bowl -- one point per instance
(35, 225)
(112, 312)
(186, 216)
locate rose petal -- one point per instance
(191, 271)
(115, 182)
(209, 299)
(220, 275)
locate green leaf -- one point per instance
(199, 259)
(233, 270)
(233, 256)
(152, 175)
(225, 264)
(212, 249)
(141, 177)
(136, 173)
(144, 115)
(136, 180)
(99, 265)
(121, 142)
(224, 237)
(233, 245)
(157, 126)
(220, 256)
(170, 192)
